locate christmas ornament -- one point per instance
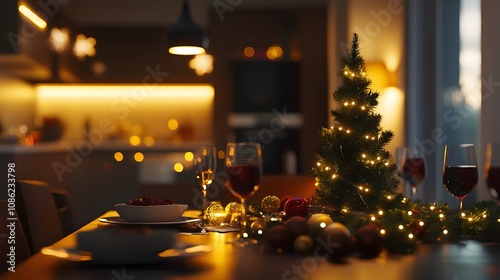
(297, 225)
(368, 241)
(296, 206)
(258, 227)
(279, 238)
(317, 223)
(337, 242)
(233, 208)
(216, 214)
(283, 201)
(303, 244)
(270, 204)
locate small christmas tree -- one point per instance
(353, 170)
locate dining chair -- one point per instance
(11, 235)
(38, 214)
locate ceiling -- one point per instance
(112, 13)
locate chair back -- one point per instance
(38, 214)
(11, 237)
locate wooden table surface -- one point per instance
(468, 260)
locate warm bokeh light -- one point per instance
(202, 64)
(249, 51)
(118, 109)
(178, 167)
(173, 124)
(118, 156)
(139, 157)
(274, 52)
(149, 141)
(59, 39)
(32, 17)
(221, 154)
(135, 140)
(188, 156)
(84, 46)
(295, 55)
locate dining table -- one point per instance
(221, 259)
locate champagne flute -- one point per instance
(243, 167)
(460, 175)
(492, 170)
(205, 162)
(411, 167)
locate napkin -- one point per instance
(121, 245)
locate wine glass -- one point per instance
(243, 167)
(411, 167)
(460, 175)
(204, 163)
(492, 170)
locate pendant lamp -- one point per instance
(185, 37)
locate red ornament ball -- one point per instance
(279, 238)
(368, 241)
(336, 242)
(297, 225)
(283, 201)
(296, 206)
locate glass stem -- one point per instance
(414, 193)
(460, 204)
(203, 208)
(243, 217)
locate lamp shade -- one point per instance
(185, 37)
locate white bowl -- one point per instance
(150, 213)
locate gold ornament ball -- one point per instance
(216, 214)
(270, 204)
(318, 222)
(233, 208)
(258, 227)
(303, 244)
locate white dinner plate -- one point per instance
(121, 221)
(181, 251)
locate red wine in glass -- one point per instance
(413, 171)
(244, 180)
(243, 165)
(460, 180)
(460, 175)
(493, 182)
(411, 167)
(492, 170)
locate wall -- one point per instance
(17, 104)
(490, 132)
